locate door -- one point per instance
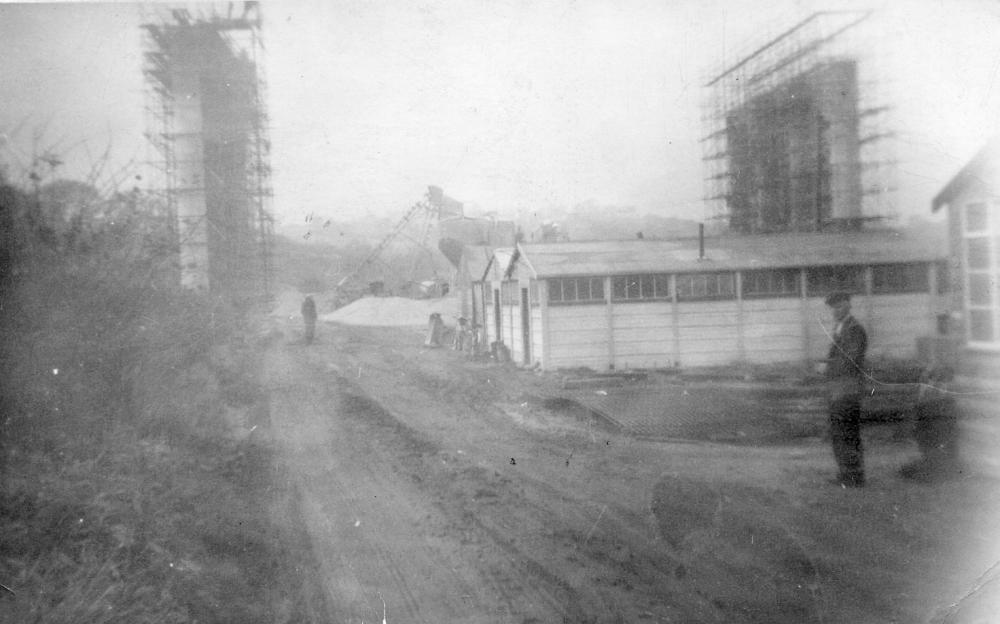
(496, 314)
(526, 325)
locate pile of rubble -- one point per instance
(393, 311)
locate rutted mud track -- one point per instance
(379, 534)
(433, 493)
(445, 534)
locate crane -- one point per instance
(431, 207)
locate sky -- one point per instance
(511, 106)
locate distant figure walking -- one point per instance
(309, 316)
(435, 330)
(460, 339)
(845, 374)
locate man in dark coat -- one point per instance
(845, 376)
(309, 316)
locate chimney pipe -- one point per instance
(701, 241)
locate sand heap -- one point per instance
(393, 311)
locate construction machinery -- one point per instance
(421, 217)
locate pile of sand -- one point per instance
(393, 311)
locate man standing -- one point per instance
(845, 375)
(309, 316)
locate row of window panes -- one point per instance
(640, 287)
(820, 281)
(576, 290)
(701, 286)
(776, 283)
(979, 247)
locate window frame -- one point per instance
(854, 287)
(647, 288)
(707, 296)
(556, 285)
(983, 303)
(749, 276)
(883, 284)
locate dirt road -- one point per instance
(436, 489)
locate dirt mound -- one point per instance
(393, 311)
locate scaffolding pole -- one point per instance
(793, 127)
(207, 121)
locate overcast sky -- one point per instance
(507, 105)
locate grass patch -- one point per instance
(142, 531)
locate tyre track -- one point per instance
(369, 527)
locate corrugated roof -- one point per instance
(734, 252)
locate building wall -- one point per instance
(819, 326)
(537, 335)
(510, 320)
(512, 332)
(773, 330)
(577, 336)
(709, 332)
(895, 319)
(957, 298)
(666, 333)
(643, 334)
(980, 358)
(490, 326)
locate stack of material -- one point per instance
(393, 312)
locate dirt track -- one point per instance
(436, 485)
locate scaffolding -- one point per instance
(207, 120)
(796, 134)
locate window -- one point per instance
(821, 281)
(981, 257)
(980, 289)
(704, 286)
(888, 279)
(978, 252)
(567, 290)
(771, 283)
(977, 218)
(640, 287)
(981, 326)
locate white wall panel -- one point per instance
(772, 330)
(537, 336)
(578, 336)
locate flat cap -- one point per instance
(837, 297)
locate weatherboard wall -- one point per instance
(537, 335)
(896, 318)
(773, 330)
(577, 336)
(643, 334)
(709, 332)
(614, 334)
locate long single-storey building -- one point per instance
(730, 299)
